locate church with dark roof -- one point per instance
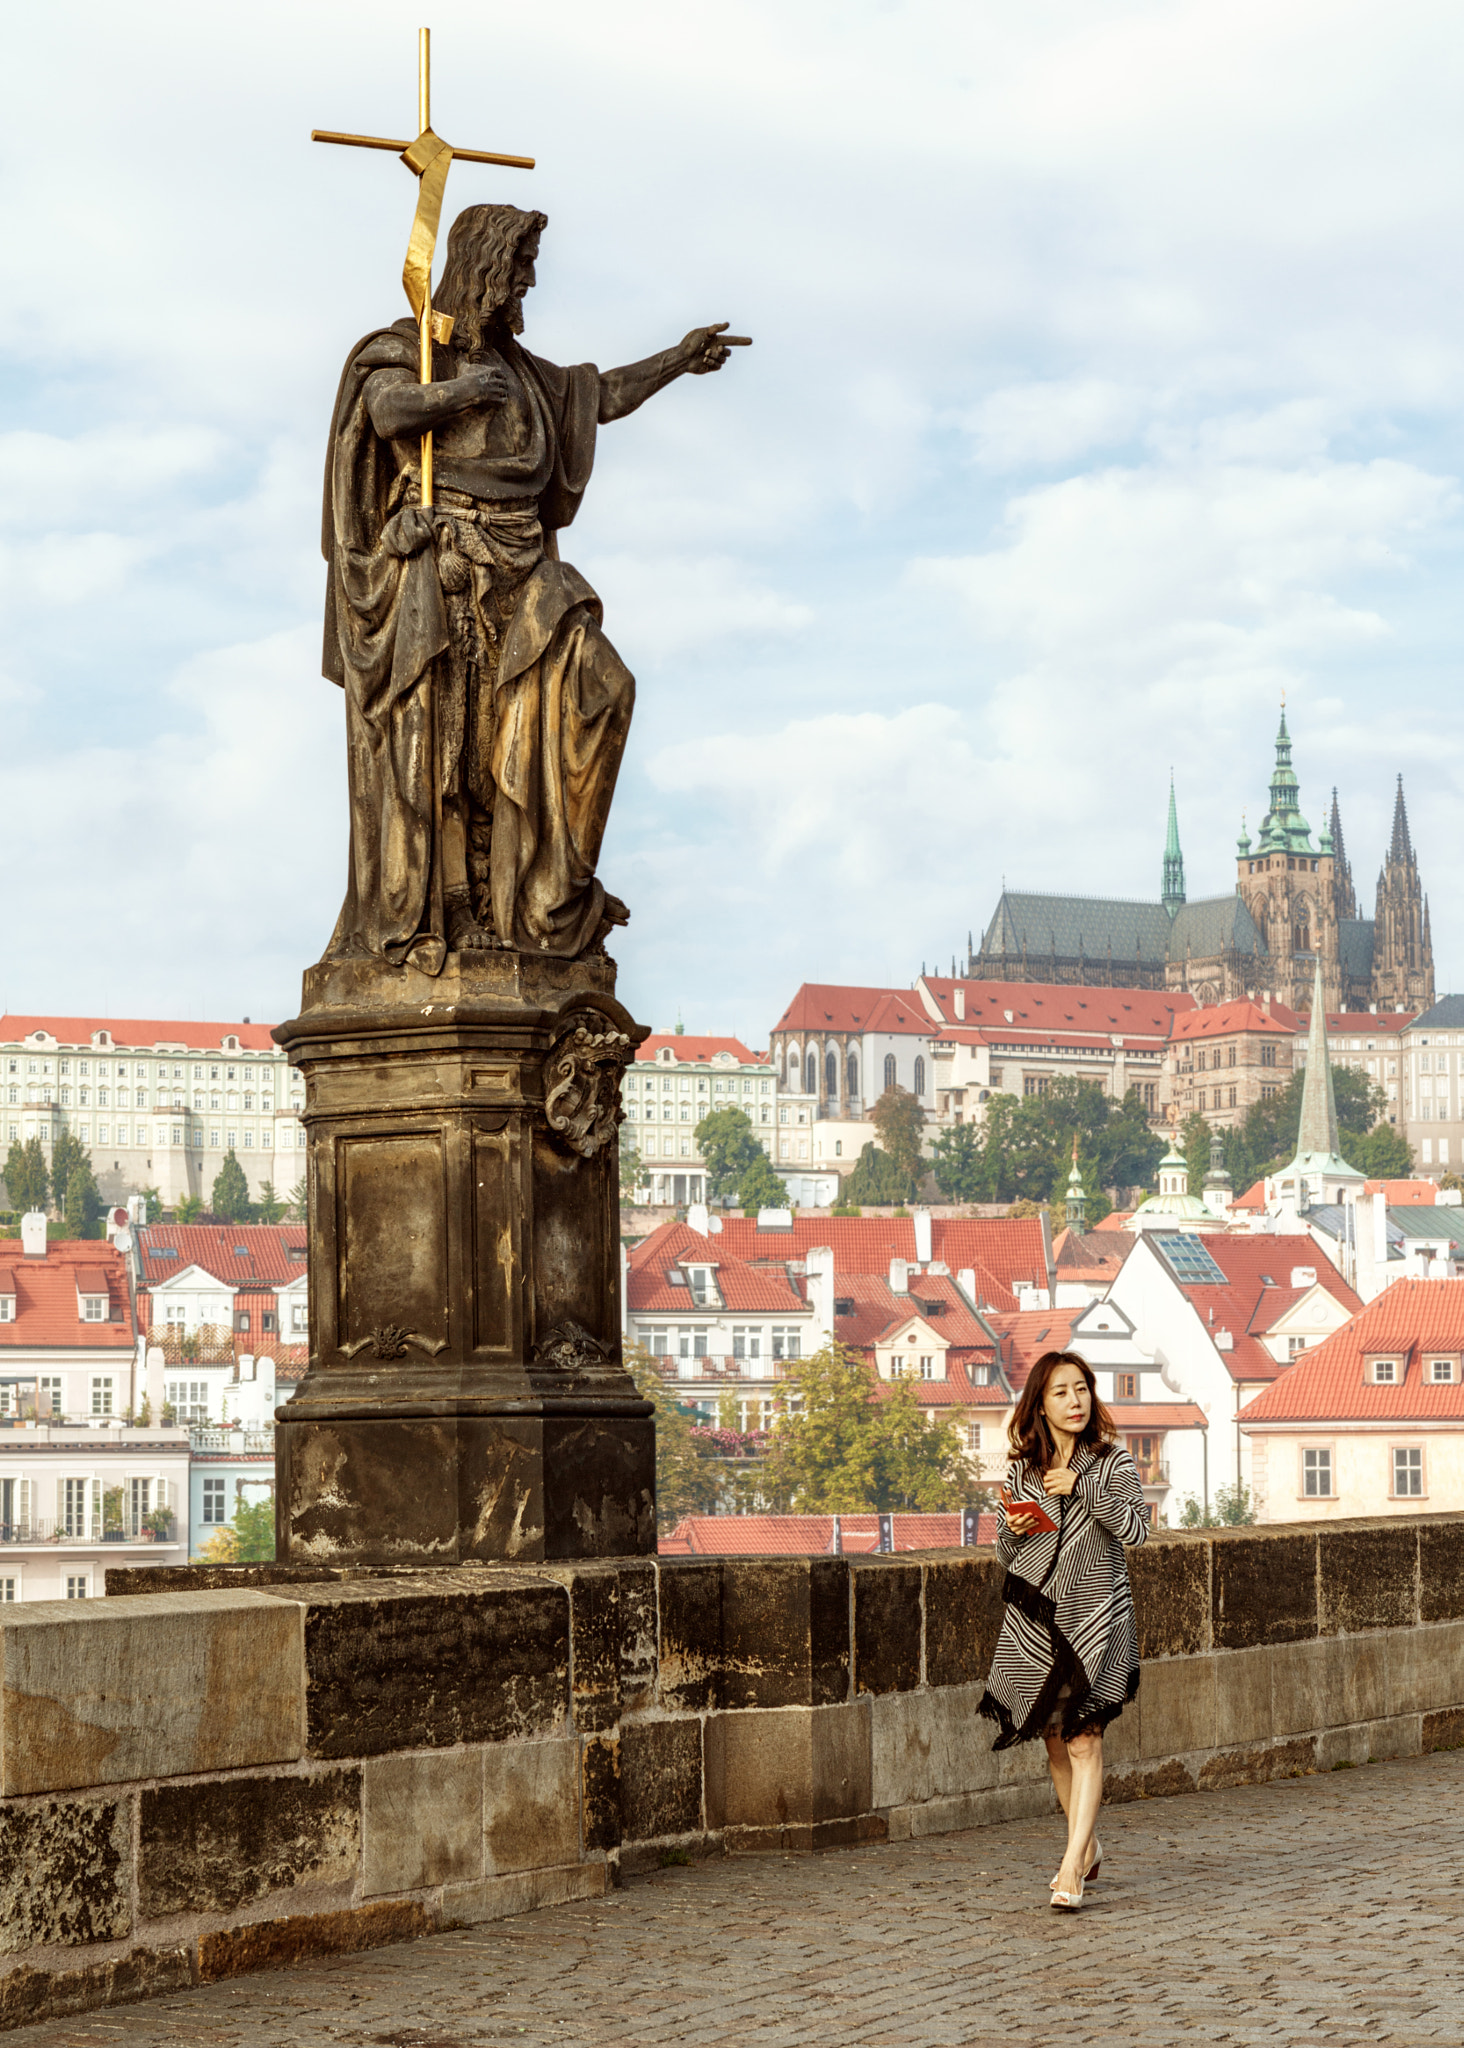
(1293, 900)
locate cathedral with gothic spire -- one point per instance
(1294, 905)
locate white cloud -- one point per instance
(668, 606)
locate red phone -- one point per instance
(1044, 1523)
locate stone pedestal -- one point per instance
(465, 1397)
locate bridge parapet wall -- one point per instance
(244, 1766)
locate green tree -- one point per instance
(248, 1539)
(154, 1200)
(686, 1475)
(961, 1166)
(760, 1187)
(898, 1120)
(84, 1203)
(844, 1444)
(66, 1154)
(269, 1208)
(1384, 1154)
(1230, 1508)
(231, 1192)
(1194, 1142)
(632, 1172)
(878, 1178)
(300, 1199)
(1271, 1127)
(188, 1208)
(27, 1177)
(727, 1142)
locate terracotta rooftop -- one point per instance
(1257, 1292)
(685, 1047)
(1411, 1321)
(1051, 1006)
(137, 1033)
(48, 1292)
(239, 1255)
(812, 1535)
(820, 1006)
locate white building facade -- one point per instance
(156, 1104)
(674, 1081)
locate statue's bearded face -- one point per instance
(523, 280)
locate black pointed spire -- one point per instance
(1344, 897)
(1402, 848)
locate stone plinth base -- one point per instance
(465, 1399)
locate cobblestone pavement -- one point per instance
(1323, 1909)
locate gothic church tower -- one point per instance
(1289, 887)
(1403, 972)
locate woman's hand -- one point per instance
(1026, 1519)
(1059, 1479)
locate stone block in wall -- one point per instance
(27, 1993)
(1257, 1763)
(99, 1692)
(788, 1765)
(432, 1660)
(972, 1810)
(963, 1617)
(1264, 1590)
(887, 1624)
(1369, 1578)
(690, 1665)
(660, 1779)
(1444, 1730)
(270, 1944)
(422, 1815)
(531, 1804)
(1333, 1682)
(1171, 1583)
(65, 1873)
(1148, 1781)
(600, 1794)
(1178, 1695)
(1441, 1571)
(210, 1846)
(925, 1745)
(522, 1891)
(1425, 1668)
(1242, 1697)
(612, 1610)
(785, 1631)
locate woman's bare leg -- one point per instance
(1085, 1765)
(1061, 1769)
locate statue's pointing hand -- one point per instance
(704, 348)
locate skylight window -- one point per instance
(1190, 1263)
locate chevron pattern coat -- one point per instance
(1069, 1610)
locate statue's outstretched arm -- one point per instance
(621, 391)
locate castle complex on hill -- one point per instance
(1293, 900)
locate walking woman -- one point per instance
(1067, 1659)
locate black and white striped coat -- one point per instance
(1070, 1612)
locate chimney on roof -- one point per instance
(960, 1001)
(899, 1276)
(33, 1234)
(819, 1269)
(966, 1281)
(921, 1221)
(698, 1216)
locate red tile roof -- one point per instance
(1000, 1250)
(745, 1288)
(267, 1262)
(820, 1006)
(1248, 1305)
(1086, 1253)
(1220, 1020)
(1139, 1416)
(1050, 1006)
(812, 1535)
(1410, 1321)
(129, 1033)
(686, 1047)
(1027, 1333)
(1404, 1194)
(47, 1291)
(1352, 1023)
(1253, 1198)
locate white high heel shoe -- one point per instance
(1067, 1902)
(1089, 1876)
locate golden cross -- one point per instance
(429, 157)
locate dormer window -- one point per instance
(94, 1308)
(1384, 1372)
(7, 1308)
(1443, 1372)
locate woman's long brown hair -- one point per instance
(1029, 1436)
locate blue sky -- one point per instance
(1107, 381)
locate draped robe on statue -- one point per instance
(486, 711)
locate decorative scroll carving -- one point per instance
(569, 1347)
(582, 1082)
(392, 1342)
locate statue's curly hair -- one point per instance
(481, 248)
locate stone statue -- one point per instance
(486, 711)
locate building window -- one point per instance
(1407, 1472)
(973, 1436)
(920, 1075)
(786, 1343)
(93, 1308)
(76, 1585)
(1125, 1386)
(101, 1397)
(9, 1589)
(927, 1366)
(810, 1074)
(1316, 1475)
(1144, 1450)
(1232, 1098)
(897, 1365)
(1441, 1371)
(1230, 1056)
(853, 1076)
(1268, 1054)
(831, 1075)
(213, 1500)
(1385, 1372)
